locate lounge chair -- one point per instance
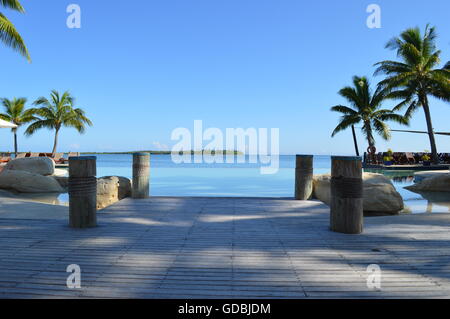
(397, 158)
(58, 158)
(446, 158)
(5, 159)
(21, 155)
(410, 158)
(73, 154)
(34, 154)
(379, 158)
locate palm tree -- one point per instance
(364, 107)
(416, 77)
(57, 112)
(16, 113)
(8, 33)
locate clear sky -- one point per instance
(143, 68)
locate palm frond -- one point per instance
(351, 96)
(411, 109)
(58, 111)
(11, 37)
(343, 109)
(447, 66)
(39, 124)
(391, 67)
(393, 117)
(345, 122)
(12, 4)
(382, 129)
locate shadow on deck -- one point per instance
(168, 247)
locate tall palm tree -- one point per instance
(8, 33)
(364, 107)
(57, 112)
(16, 113)
(416, 77)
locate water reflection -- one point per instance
(45, 198)
(418, 202)
(436, 202)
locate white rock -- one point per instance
(111, 189)
(321, 188)
(379, 193)
(436, 183)
(124, 190)
(419, 176)
(26, 182)
(37, 165)
(61, 172)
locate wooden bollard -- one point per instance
(82, 191)
(346, 209)
(303, 177)
(141, 175)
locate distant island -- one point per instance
(204, 152)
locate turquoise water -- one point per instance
(170, 179)
(233, 180)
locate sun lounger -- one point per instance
(397, 158)
(5, 159)
(58, 158)
(21, 155)
(446, 158)
(34, 154)
(74, 154)
(410, 158)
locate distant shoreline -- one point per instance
(166, 152)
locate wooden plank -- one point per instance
(224, 248)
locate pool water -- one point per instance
(243, 180)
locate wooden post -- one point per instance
(82, 191)
(303, 177)
(346, 214)
(141, 175)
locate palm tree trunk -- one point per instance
(369, 134)
(426, 109)
(15, 141)
(355, 141)
(55, 144)
(371, 141)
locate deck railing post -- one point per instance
(141, 175)
(346, 209)
(82, 192)
(303, 177)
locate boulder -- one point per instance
(124, 187)
(420, 176)
(111, 189)
(380, 195)
(61, 172)
(26, 182)
(36, 165)
(62, 180)
(321, 188)
(436, 183)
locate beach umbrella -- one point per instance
(4, 124)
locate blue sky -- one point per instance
(144, 69)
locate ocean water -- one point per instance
(244, 179)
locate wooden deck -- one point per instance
(224, 248)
